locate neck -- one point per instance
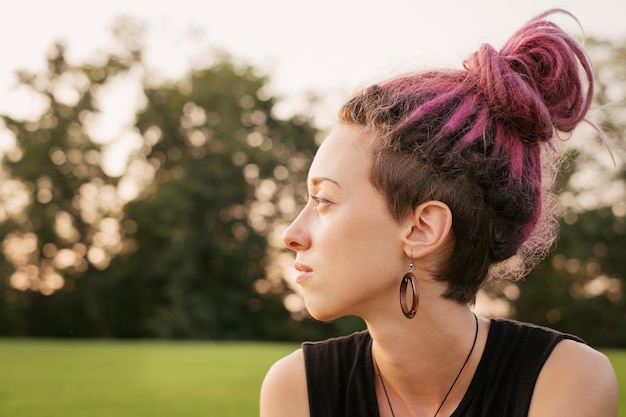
(420, 358)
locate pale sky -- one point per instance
(329, 47)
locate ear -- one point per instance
(427, 229)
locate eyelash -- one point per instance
(319, 200)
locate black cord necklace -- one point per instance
(382, 382)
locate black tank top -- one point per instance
(340, 375)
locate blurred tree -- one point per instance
(57, 202)
(222, 163)
(181, 242)
(580, 287)
(183, 239)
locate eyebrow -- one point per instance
(317, 180)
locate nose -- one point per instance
(296, 236)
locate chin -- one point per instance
(322, 314)
(324, 318)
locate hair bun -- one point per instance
(533, 84)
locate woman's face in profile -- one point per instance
(348, 247)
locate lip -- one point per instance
(304, 272)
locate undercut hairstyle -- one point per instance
(480, 139)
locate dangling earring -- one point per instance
(409, 277)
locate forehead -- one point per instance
(342, 153)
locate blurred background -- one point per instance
(153, 152)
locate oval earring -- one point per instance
(409, 278)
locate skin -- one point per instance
(351, 254)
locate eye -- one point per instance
(320, 201)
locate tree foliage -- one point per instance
(177, 246)
(183, 242)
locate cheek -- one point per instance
(371, 243)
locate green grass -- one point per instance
(49, 378)
(618, 359)
(132, 379)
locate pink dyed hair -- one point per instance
(474, 138)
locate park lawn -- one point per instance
(618, 359)
(54, 378)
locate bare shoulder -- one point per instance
(576, 381)
(284, 389)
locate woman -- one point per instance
(430, 184)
